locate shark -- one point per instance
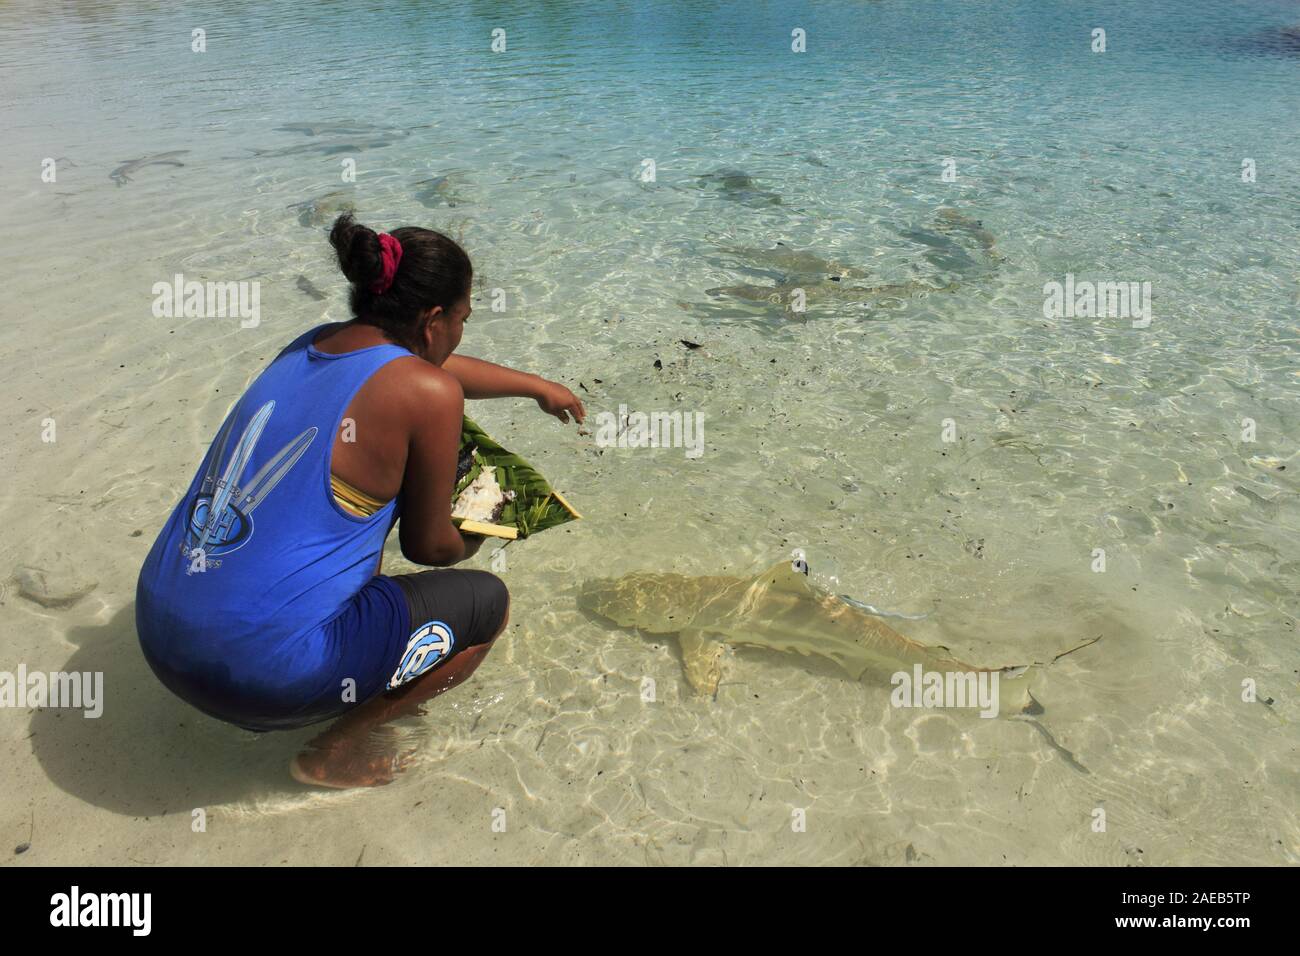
(438, 191)
(956, 248)
(820, 279)
(324, 148)
(341, 129)
(308, 288)
(957, 243)
(323, 209)
(122, 175)
(738, 186)
(821, 288)
(955, 223)
(782, 609)
(1279, 41)
(786, 259)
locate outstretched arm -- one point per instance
(480, 379)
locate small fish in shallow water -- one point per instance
(122, 175)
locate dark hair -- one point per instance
(433, 271)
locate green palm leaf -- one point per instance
(536, 505)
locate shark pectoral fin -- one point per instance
(701, 660)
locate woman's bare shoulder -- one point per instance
(411, 380)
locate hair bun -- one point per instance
(359, 253)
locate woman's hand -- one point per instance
(554, 399)
(480, 379)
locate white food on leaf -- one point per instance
(482, 499)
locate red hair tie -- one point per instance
(391, 250)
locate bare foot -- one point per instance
(344, 768)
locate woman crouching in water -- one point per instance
(262, 603)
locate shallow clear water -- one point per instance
(823, 428)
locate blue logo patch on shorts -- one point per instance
(430, 643)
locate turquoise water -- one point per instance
(823, 427)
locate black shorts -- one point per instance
(449, 610)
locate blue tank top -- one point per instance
(238, 601)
